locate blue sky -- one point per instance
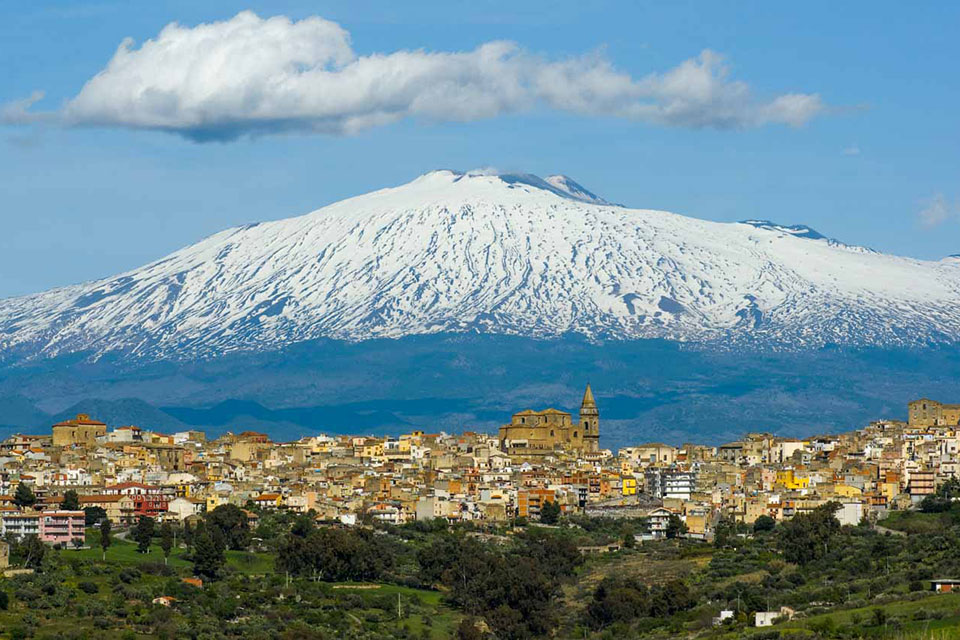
(878, 164)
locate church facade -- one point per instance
(540, 433)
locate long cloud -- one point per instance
(250, 76)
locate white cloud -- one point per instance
(852, 150)
(936, 211)
(18, 111)
(249, 75)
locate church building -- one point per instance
(79, 431)
(930, 413)
(533, 433)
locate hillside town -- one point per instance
(539, 457)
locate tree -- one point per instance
(879, 617)
(557, 554)
(764, 523)
(166, 540)
(806, 537)
(24, 497)
(143, 533)
(550, 512)
(33, 550)
(208, 558)
(336, 554)
(617, 599)
(724, 535)
(943, 500)
(232, 523)
(669, 598)
(219, 540)
(675, 527)
(303, 526)
(71, 501)
(93, 515)
(105, 536)
(468, 630)
(513, 591)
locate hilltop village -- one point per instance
(538, 458)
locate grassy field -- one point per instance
(916, 522)
(933, 617)
(125, 552)
(442, 622)
(424, 614)
(653, 567)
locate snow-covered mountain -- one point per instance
(496, 253)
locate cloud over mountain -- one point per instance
(250, 75)
(936, 211)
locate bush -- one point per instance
(19, 632)
(129, 574)
(156, 569)
(88, 587)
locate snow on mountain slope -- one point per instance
(508, 253)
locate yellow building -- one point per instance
(889, 490)
(930, 413)
(847, 491)
(370, 449)
(629, 485)
(697, 524)
(788, 479)
(213, 501)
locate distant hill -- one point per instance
(646, 390)
(17, 413)
(123, 412)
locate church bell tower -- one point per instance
(590, 422)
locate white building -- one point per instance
(767, 618)
(662, 483)
(850, 513)
(19, 524)
(183, 508)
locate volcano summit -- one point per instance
(509, 254)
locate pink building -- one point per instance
(61, 526)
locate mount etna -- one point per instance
(451, 301)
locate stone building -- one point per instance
(930, 413)
(543, 432)
(79, 431)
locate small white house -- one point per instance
(726, 614)
(767, 618)
(183, 508)
(850, 513)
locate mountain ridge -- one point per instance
(501, 253)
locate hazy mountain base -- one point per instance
(647, 390)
